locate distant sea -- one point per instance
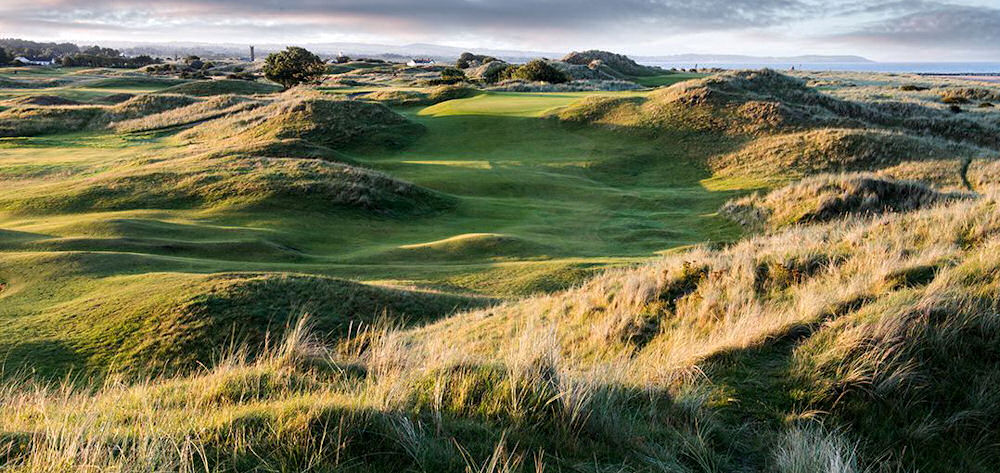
(899, 67)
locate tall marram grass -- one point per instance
(810, 449)
(883, 327)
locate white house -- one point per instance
(33, 62)
(420, 62)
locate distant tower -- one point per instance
(251, 54)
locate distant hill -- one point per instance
(449, 53)
(734, 58)
(434, 51)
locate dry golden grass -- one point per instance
(825, 198)
(845, 320)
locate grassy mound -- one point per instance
(294, 123)
(789, 129)
(824, 150)
(764, 102)
(397, 97)
(148, 104)
(132, 82)
(115, 98)
(230, 183)
(204, 88)
(744, 102)
(42, 120)
(980, 94)
(43, 100)
(444, 93)
(34, 121)
(620, 64)
(247, 250)
(209, 109)
(170, 321)
(471, 246)
(412, 98)
(826, 197)
(8, 83)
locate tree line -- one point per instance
(69, 54)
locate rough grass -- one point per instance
(43, 100)
(131, 82)
(170, 322)
(204, 88)
(34, 120)
(233, 182)
(791, 129)
(862, 337)
(311, 121)
(831, 197)
(789, 155)
(411, 98)
(765, 102)
(707, 360)
(209, 109)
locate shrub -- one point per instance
(539, 70)
(498, 72)
(194, 62)
(294, 66)
(453, 74)
(241, 75)
(954, 109)
(954, 99)
(986, 105)
(467, 60)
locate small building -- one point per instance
(34, 62)
(420, 62)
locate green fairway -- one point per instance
(512, 104)
(537, 205)
(568, 191)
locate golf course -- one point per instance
(580, 265)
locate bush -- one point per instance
(494, 74)
(954, 99)
(539, 70)
(453, 74)
(986, 105)
(294, 66)
(467, 60)
(241, 75)
(955, 109)
(93, 60)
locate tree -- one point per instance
(194, 62)
(540, 71)
(5, 57)
(294, 66)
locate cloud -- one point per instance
(429, 14)
(938, 26)
(747, 26)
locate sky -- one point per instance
(885, 30)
